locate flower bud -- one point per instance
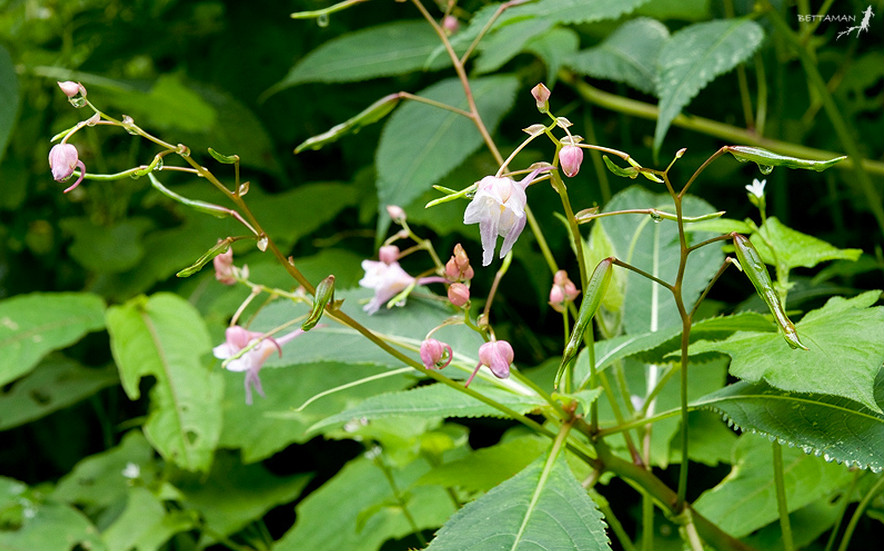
(71, 88)
(450, 24)
(223, 264)
(497, 355)
(388, 254)
(459, 294)
(562, 292)
(541, 95)
(63, 158)
(396, 213)
(458, 266)
(571, 158)
(435, 354)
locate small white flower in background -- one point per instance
(131, 471)
(757, 188)
(387, 280)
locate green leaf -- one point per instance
(504, 44)
(32, 522)
(542, 507)
(846, 349)
(793, 249)
(746, 499)
(164, 336)
(433, 401)
(628, 55)
(10, 104)
(385, 50)
(569, 11)
(54, 385)
(766, 160)
(554, 48)
(327, 518)
(106, 249)
(420, 143)
(234, 495)
(693, 57)
(837, 428)
(687, 10)
(145, 524)
(654, 248)
(33, 325)
(371, 114)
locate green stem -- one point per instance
(858, 513)
(782, 505)
(400, 499)
(647, 522)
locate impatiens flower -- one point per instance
(458, 294)
(497, 355)
(238, 338)
(450, 24)
(757, 188)
(387, 280)
(541, 96)
(71, 88)
(499, 209)
(396, 213)
(223, 264)
(435, 354)
(63, 158)
(458, 266)
(388, 254)
(571, 157)
(562, 292)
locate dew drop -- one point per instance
(262, 243)
(322, 20)
(243, 188)
(159, 165)
(765, 169)
(183, 150)
(77, 101)
(656, 217)
(129, 125)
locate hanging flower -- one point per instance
(238, 338)
(435, 354)
(224, 269)
(387, 280)
(63, 158)
(497, 355)
(571, 158)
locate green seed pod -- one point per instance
(325, 294)
(756, 271)
(592, 298)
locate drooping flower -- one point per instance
(435, 354)
(541, 96)
(497, 355)
(562, 292)
(499, 209)
(238, 338)
(63, 158)
(387, 280)
(571, 158)
(224, 271)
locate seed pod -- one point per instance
(325, 294)
(595, 291)
(756, 271)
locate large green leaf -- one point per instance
(386, 50)
(693, 57)
(420, 143)
(569, 11)
(794, 249)
(554, 48)
(9, 93)
(746, 499)
(145, 523)
(357, 509)
(846, 350)
(503, 45)
(55, 384)
(837, 428)
(654, 248)
(628, 55)
(102, 248)
(541, 508)
(33, 325)
(164, 337)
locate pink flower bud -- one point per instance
(396, 213)
(562, 292)
(458, 294)
(571, 157)
(223, 264)
(435, 354)
(63, 158)
(450, 24)
(497, 355)
(388, 254)
(458, 266)
(71, 88)
(541, 95)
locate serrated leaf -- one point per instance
(766, 160)
(164, 336)
(554, 47)
(628, 55)
(696, 55)
(9, 93)
(501, 46)
(385, 50)
(793, 249)
(570, 11)
(840, 429)
(420, 143)
(746, 499)
(33, 325)
(846, 349)
(327, 518)
(433, 401)
(55, 384)
(539, 508)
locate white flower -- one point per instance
(757, 188)
(387, 280)
(499, 209)
(237, 339)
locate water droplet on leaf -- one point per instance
(765, 169)
(322, 20)
(262, 244)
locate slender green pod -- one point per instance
(325, 294)
(592, 298)
(754, 268)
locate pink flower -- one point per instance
(387, 280)
(223, 264)
(450, 24)
(497, 355)
(562, 292)
(541, 96)
(237, 339)
(71, 88)
(458, 294)
(396, 213)
(435, 354)
(388, 254)
(63, 158)
(458, 266)
(499, 209)
(571, 157)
